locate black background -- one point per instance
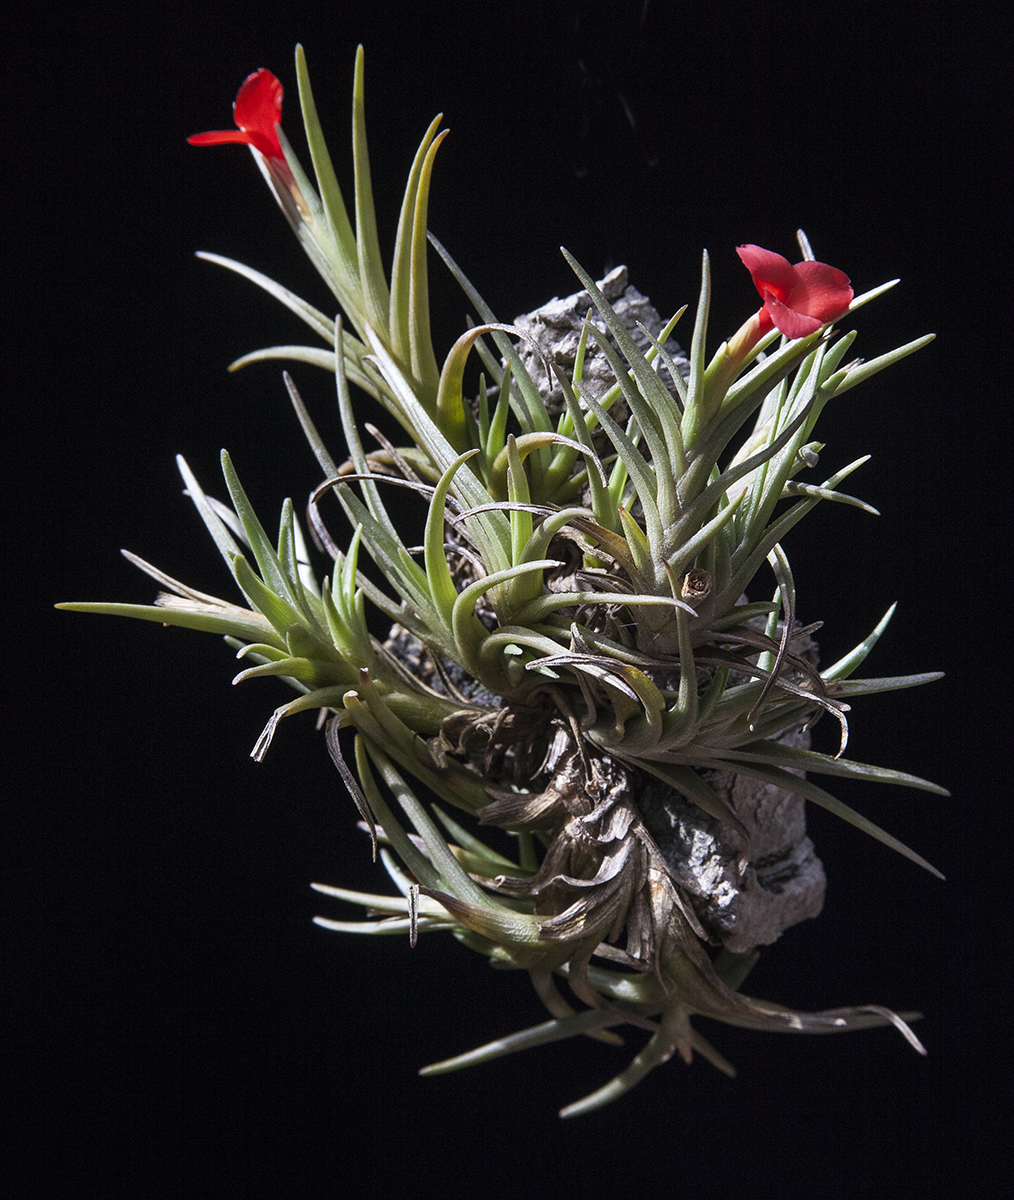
(186, 1030)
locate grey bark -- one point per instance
(745, 894)
(555, 328)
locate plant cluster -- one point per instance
(576, 618)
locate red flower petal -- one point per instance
(258, 109)
(770, 272)
(788, 321)
(820, 291)
(219, 138)
(797, 299)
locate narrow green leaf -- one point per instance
(586, 1021)
(658, 345)
(825, 764)
(442, 589)
(276, 608)
(844, 667)
(376, 298)
(806, 788)
(652, 392)
(865, 370)
(401, 263)
(533, 410)
(520, 518)
(423, 359)
(452, 877)
(497, 863)
(463, 616)
(636, 466)
(327, 463)
(314, 673)
(537, 610)
(327, 182)
(872, 294)
(682, 557)
(319, 323)
(602, 502)
(450, 404)
(388, 551)
(821, 493)
(260, 544)
(350, 428)
(491, 530)
(694, 415)
(236, 621)
(415, 861)
(227, 545)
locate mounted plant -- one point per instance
(573, 656)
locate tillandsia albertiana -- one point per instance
(574, 629)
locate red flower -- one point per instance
(797, 299)
(258, 109)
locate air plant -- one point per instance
(574, 634)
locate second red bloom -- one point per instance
(798, 298)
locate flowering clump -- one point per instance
(578, 645)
